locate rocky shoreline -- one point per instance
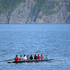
(22, 14)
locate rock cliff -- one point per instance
(38, 11)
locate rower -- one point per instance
(31, 57)
(20, 59)
(46, 57)
(28, 58)
(35, 57)
(42, 57)
(25, 58)
(16, 58)
(38, 57)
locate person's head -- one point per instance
(24, 55)
(41, 54)
(38, 54)
(31, 55)
(46, 55)
(35, 54)
(20, 55)
(16, 55)
(27, 55)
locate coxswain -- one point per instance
(16, 58)
(46, 57)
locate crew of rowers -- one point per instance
(30, 58)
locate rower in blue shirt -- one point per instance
(46, 57)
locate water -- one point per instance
(50, 39)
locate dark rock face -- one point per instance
(53, 11)
(68, 19)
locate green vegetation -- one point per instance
(20, 12)
(38, 6)
(40, 17)
(69, 8)
(64, 16)
(28, 7)
(55, 3)
(35, 1)
(60, 6)
(48, 9)
(41, 5)
(9, 5)
(28, 19)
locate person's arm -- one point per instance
(22, 58)
(40, 57)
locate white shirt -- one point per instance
(25, 58)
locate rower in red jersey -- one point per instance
(38, 57)
(16, 58)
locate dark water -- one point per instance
(50, 39)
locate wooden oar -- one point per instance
(7, 60)
(56, 60)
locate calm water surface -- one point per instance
(50, 39)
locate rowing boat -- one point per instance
(31, 61)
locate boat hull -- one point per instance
(31, 61)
